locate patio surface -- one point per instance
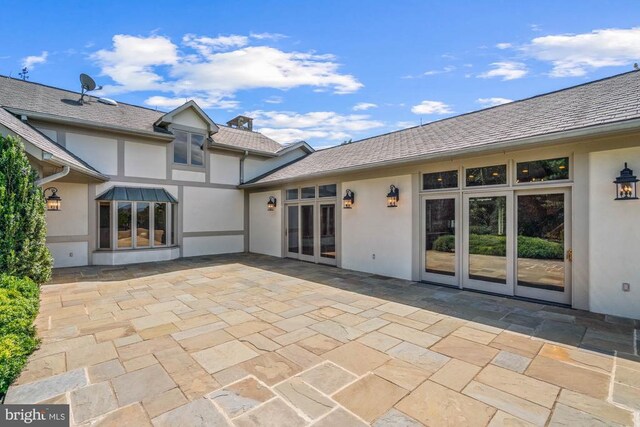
(249, 340)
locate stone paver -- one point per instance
(249, 340)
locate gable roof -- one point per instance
(607, 101)
(30, 135)
(168, 117)
(53, 104)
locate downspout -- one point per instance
(244, 156)
(55, 176)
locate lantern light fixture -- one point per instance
(626, 185)
(54, 202)
(272, 203)
(349, 199)
(393, 197)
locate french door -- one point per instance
(518, 243)
(488, 242)
(311, 232)
(543, 255)
(440, 254)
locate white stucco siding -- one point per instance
(69, 254)
(73, 219)
(212, 209)
(49, 133)
(145, 160)
(256, 166)
(101, 153)
(212, 245)
(189, 118)
(614, 236)
(132, 257)
(373, 228)
(224, 169)
(193, 176)
(265, 227)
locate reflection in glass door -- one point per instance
(541, 269)
(328, 233)
(488, 243)
(440, 241)
(293, 248)
(307, 242)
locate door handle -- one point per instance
(569, 255)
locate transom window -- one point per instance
(486, 175)
(188, 148)
(312, 192)
(439, 180)
(543, 170)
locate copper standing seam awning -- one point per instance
(137, 194)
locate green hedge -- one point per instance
(19, 303)
(486, 244)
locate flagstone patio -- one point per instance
(248, 340)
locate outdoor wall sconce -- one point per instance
(393, 197)
(271, 204)
(626, 185)
(348, 199)
(54, 202)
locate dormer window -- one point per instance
(188, 148)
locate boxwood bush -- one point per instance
(19, 303)
(486, 244)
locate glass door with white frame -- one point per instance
(440, 241)
(327, 234)
(488, 242)
(542, 264)
(307, 233)
(292, 231)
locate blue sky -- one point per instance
(322, 71)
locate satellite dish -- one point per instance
(87, 82)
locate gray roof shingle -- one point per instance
(28, 133)
(603, 101)
(39, 98)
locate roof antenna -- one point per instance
(24, 74)
(87, 84)
(636, 67)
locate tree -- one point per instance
(23, 229)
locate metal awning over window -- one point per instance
(136, 194)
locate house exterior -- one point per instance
(516, 200)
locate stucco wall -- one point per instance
(212, 209)
(101, 153)
(145, 160)
(212, 245)
(614, 236)
(373, 228)
(189, 118)
(72, 220)
(69, 254)
(224, 169)
(183, 175)
(265, 227)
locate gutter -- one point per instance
(244, 156)
(89, 124)
(55, 176)
(596, 130)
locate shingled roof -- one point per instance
(605, 101)
(28, 133)
(22, 96)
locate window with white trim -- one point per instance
(188, 148)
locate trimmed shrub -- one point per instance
(22, 216)
(19, 303)
(486, 244)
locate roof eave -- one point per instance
(89, 124)
(597, 130)
(225, 147)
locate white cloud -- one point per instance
(575, 54)
(289, 126)
(212, 70)
(504, 45)
(274, 100)
(362, 106)
(508, 70)
(431, 107)
(403, 124)
(492, 102)
(267, 36)
(30, 61)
